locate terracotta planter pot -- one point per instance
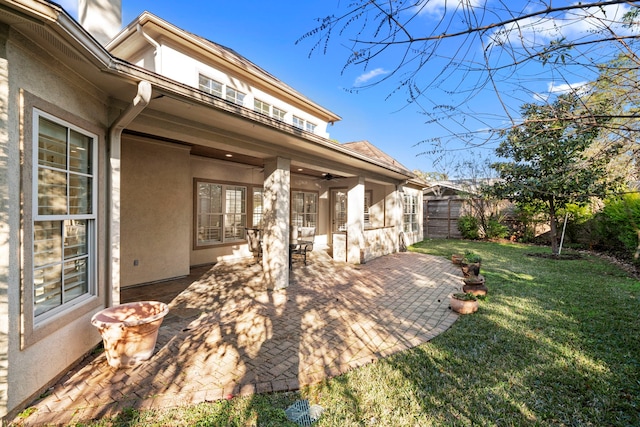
(457, 259)
(476, 289)
(463, 307)
(129, 331)
(474, 280)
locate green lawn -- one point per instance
(554, 343)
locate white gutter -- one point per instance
(157, 59)
(115, 132)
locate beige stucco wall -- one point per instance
(156, 215)
(35, 356)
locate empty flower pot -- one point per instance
(129, 331)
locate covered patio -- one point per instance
(227, 335)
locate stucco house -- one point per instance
(130, 155)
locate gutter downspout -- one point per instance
(115, 132)
(157, 58)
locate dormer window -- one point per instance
(303, 124)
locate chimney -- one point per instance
(101, 18)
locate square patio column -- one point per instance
(275, 223)
(355, 222)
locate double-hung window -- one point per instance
(64, 215)
(221, 213)
(410, 213)
(304, 209)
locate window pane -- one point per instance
(258, 208)
(47, 242)
(261, 107)
(75, 239)
(52, 192)
(234, 96)
(209, 229)
(298, 122)
(236, 197)
(310, 127)
(75, 279)
(235, 225)
(80, 155)
(80, 194)
(278, 113)
(47, 288)
(52, 144)
(211, 86)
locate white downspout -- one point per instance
(157, 59)
(115, 132)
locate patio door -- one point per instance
(339, 224)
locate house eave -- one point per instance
(222, 57)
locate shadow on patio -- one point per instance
(227, 335)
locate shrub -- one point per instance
(496, 230)
(619, 221)
(468, 226)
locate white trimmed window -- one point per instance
(278, 113)
(210, 86)
(262, 107)
(368, 195)
(298, 122)
(235, 96)
(303, 124)
(309, 127)
(221, 213)
(220, 90)
(410, 213)
(258, 207)
(64, 215)
(304, 209)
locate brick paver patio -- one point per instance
(227, 335)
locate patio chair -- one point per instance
(255, 242)
(305, 237)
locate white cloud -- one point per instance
(438, 7)
(364, 78)
(559, 89)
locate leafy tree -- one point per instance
(548, 159)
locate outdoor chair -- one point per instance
(255, 242)
(304, 242)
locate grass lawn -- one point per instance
(556, 342)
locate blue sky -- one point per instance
(265, 32)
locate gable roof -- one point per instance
(370, 150)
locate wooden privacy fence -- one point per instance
(440, 218)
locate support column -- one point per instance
(275, 240)
(355, 222)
